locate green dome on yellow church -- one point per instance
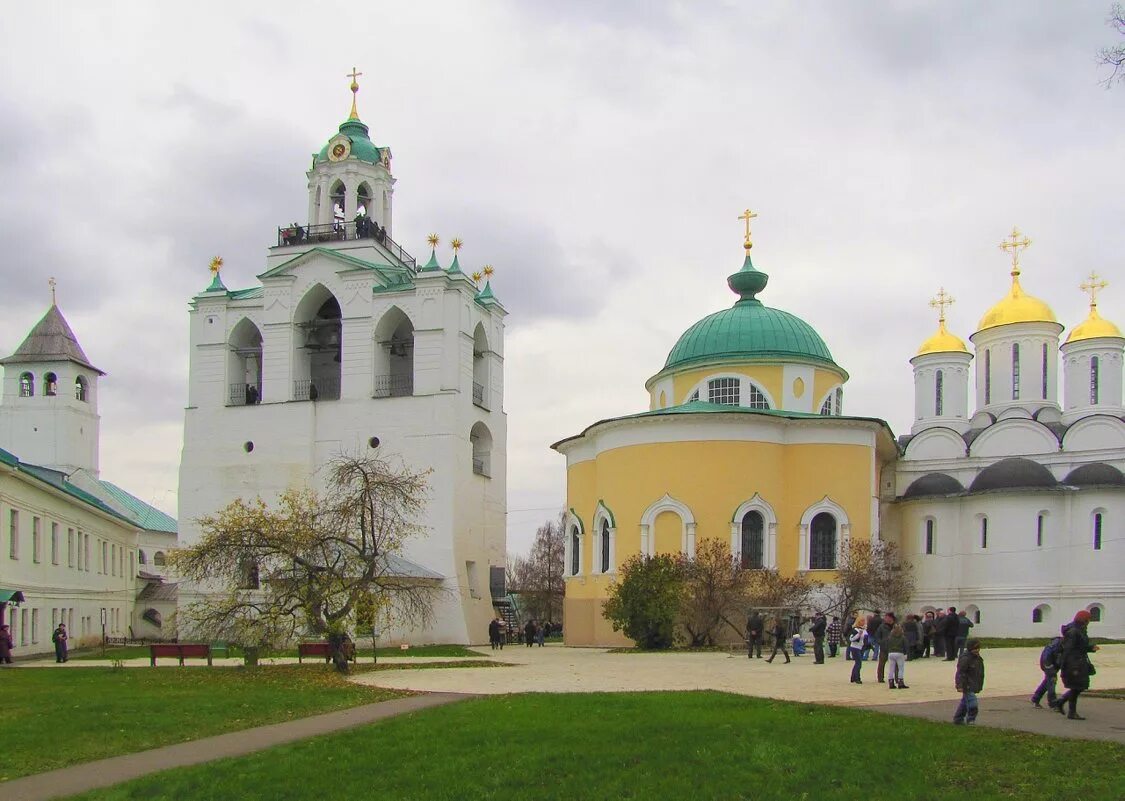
(749, 331)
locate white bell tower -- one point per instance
(49, 409)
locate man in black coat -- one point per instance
(963, 626)
(881, 638)
(1076, 667)
(754, 625)
(949, 633)
(817, 629)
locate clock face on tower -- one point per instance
(339, 148)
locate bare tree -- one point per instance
(1114, 55)
(538, 579)
(770, 590)
(312, 562)
(716, 591)
(872, 576)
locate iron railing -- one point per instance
(478, 395)
(311, 389)
(244, 395)
(394, 386)
(343, 231)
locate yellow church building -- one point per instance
(745, 440)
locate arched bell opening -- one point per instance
(480, 367)
(318, 345)
(244, 364)
(336, 197)
(394, 355)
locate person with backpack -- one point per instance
(1074, 665)
(1049, 664)
(969, 681)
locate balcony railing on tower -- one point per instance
(311, 389)
(394, 386)
(478, 395)
(244, 395)
(343, 231)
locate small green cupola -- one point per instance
(432, 265)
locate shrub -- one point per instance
(645, 601)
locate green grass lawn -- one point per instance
(55, 717)
(141, 652)
(664, 746)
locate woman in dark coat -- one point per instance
(1075, 668)
(5, 645)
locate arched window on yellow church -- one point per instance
(575, 551)
(822, 546)
(753, 526)
(604, 547)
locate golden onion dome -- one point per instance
(1093, 327)
(1017, 307)
(942, 342)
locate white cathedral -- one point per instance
(348, 345)
(1014, 508)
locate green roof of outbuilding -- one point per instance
(148, 517)
(362, 146)
(749, 331)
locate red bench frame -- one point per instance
(192, 650)
(320, 649)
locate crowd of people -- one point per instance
(890, 642)
(533, 632)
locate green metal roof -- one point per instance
(148, 517)
(749, 331)
(362, 146)
(392, 274)
(58, 480)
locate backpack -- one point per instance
(1051, 657)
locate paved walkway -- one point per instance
(106, 772)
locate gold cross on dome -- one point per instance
(1014, 244)
(1091, 286)
(51, 283)
(747, 216)
(940, 301)
(355, 89)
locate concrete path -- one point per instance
(1105, 717)
(106, 772)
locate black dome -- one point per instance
(1094, 474)
(1013, 473)
(933, 484)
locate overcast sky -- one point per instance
(597, 154)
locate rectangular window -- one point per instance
(938, 394)
(1093, 380)
(929, 537)
(13, 534)
(1098, 531)
(132, 564)
(85, 550)
(34, 625)
(23, 627)
(121, 561)
(70, 547)
(1039, 532)
(1015, 371)
(113, 559)
(988, 376)
(984, 532)
(54, 543)
(36, 539)
(1044, 371)
(723, 391)
(105, 558)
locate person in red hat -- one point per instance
(1076, 666)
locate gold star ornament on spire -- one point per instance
(488, 272)
(747, 216)
(355, 90)
(1014, 244)
(1092, 286)
(433, 240)
(456, 243)
(216, 265)
(940, 301)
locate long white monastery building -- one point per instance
(346, 345)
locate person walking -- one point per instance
(833, 636)
(1075, 668)
(529, 633)
(895, 645)
(59, 638)
(6, 645)
(881, 635)
(949, 632)
(969, 680)
(817, 629)
(927, 634)
(1049, 659)
(963, 626)
(857, 644)
(494, 633)
(777, 628)
(754, 628)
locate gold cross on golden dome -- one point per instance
(747, 216)
(216, 265)
(1014, 244)
(1092, 286)
(355, 89)
(51, 283)
(940, 301)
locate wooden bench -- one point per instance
(322, 649)
(180, 650)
